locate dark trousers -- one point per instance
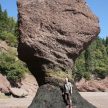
(67, 97)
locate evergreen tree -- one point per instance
(106, 41)
(87, 59)
(7, 28)
(106, 44)
(94, 60)
(0, 10)
(5, 14)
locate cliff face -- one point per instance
(52, 35)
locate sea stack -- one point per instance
(52, 34)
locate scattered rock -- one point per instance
(92, 85)
(28, 88)
(4, 84)
(3, 46)
(18, 92)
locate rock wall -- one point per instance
(93, 85)
(52, 35)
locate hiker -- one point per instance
(67, 92)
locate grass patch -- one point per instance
(58, 74)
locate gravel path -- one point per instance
(99, 99)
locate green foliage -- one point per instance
(86, 75)
(7, 28)
(0, 10)
(9, 38)
(101, 72)
(93, 60)
(11, 67)
(106, 42)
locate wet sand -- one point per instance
(15, 102)
(99, 99)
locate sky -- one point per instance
(99, 8)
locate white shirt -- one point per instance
(68, 87)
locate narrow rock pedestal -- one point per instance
(49, 96)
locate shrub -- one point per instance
(14, 70)
(77, 76)
(9, 38)
(86, 75)
(101, 72)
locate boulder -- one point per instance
(92, 85)
(4, 84)
(3, 46)
(53, 33)
(29, 83)
(18, 92)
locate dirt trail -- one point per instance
(99, 99)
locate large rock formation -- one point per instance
(52, 35)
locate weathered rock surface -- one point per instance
(5, 87)
(29, 84)
(4, 84)
(3, 46)
(18, 92)
(52, 35)
(93, 85)
(50, 96)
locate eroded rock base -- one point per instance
(49, 96)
